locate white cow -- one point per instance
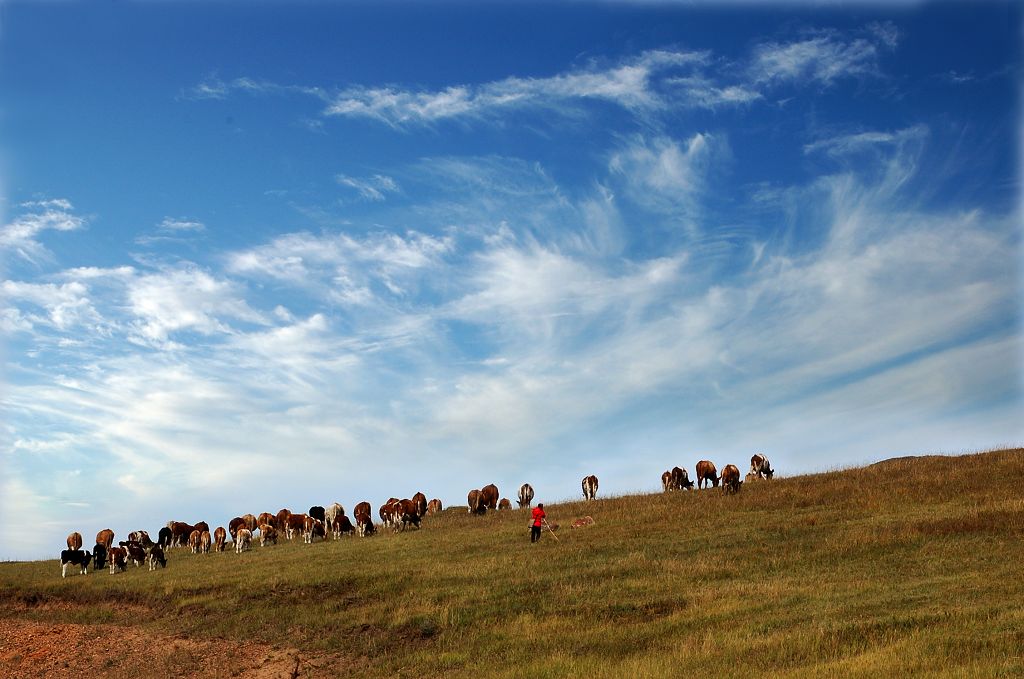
(243, 538)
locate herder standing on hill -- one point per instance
(538, 521)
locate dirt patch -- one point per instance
(59, 650)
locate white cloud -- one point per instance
(175, 224)
(371, 188)
(66, 305)
(823, 58)
(20, 236)
(664, 175)
(847, 144)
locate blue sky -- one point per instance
(279, 255)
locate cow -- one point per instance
(266, 517)
(250, 522)
(134, 552)
(421, 504)
(341, 526)
(234, 524)
(731, 479)
(201, 526)
(312, 527)
(706, 472)
(362, 507)
(74, 557)
(388, 513)
(268, 535)
(243, 538)
(75, 541)
(164, 537)
(180, 532)
(157, 558)
(364, 523)
(220, 536)
(489, 496)
(118, 558)
(204, 542)
(681, 479)
(99, 556)
(105, 537)
(760, 466)
(296, 524)
(193, 540)
(666, 481)
(318, 512)
(141, 537)
(525, 496)
(281, 521)
(332, 513)
(408, 512)
(434, 506)
(504, 504)
(589, 487)
(476, 505)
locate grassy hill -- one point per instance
(906, 567)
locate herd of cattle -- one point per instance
(139, 549)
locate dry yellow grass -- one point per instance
(909, 567)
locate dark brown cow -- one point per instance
(201, 526)
(476, 506)
(489, 496)
(342, 525)
(731, 479)
(706, 472)
(364, 521)
(281, 521)
(296, 524)
(408, 512)
(180, 531)
(75, 542)
(589, 487)
(525, 496)
(266, 517)
(389, 513)
(234, 524)
(268, 535)
(157, 557)
(134, 552)
(220, 536)
(313, 527)
(363, 507)
(760, 466)
(118, 558)
(105, 537)
(434, 506)
(504, 504)
(421, 504)
(680, 479)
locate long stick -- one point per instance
(548, 526)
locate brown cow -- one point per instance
(342, 525)
(525, 496)
(281, 521)
(236, 523)
(193, 540)
(364, 522)
(504, 504)
(408, 512)
(250, 522)
(141, 537)
(589, 487)
(706, 472)
(389, 513)
(666, 481)
(434, 506)
(220, 536)
(106, 538)
(118, 557)
(266, 517)
(180, 532)
(312, 527)
(421, 504)
(680, 479)
(268, 535)
(489, 496)
(75, 541)
(243, 540)
(331, 514)
(731, 479)
(476, 506)
(204, 542)
(760, 466)
(133, 552)
(296, 524)
(201, 526)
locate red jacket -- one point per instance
(538, 514)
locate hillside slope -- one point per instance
(906, 567)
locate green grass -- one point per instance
(907, 567)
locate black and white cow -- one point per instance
(157, 558)
(74, 557)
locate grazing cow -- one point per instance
(193, 540)
(243, 538)
(364, 523)
(74, 557)
(332, 513)
(408, 512)
(362, 507)
(760, 466)
(180, 532)
(476, 505)
(164, 537)
(268, 535)
(201, 526)
(296, 524)
(75, 541)
(666, 481)
(281, 521)
(312, 527)
(141, 537)
(318, 512)
(525, 496)
(504, 504)
(341, 526)
(204, 542)
(589, 487)
(99, 556)
(118, 558)
(681, 479)
(157, 558)
(134, 552)
(105, 537)
(731, 479)
(388, 513)
(706, 472)
(220, 536)
(489, 496)
(266, 517)
(434, 506)
(421, 504)
(250, 522)
(234, 524)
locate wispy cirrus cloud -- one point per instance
(20, 237)
(823, 57)
(847, 144)
(374, 187)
